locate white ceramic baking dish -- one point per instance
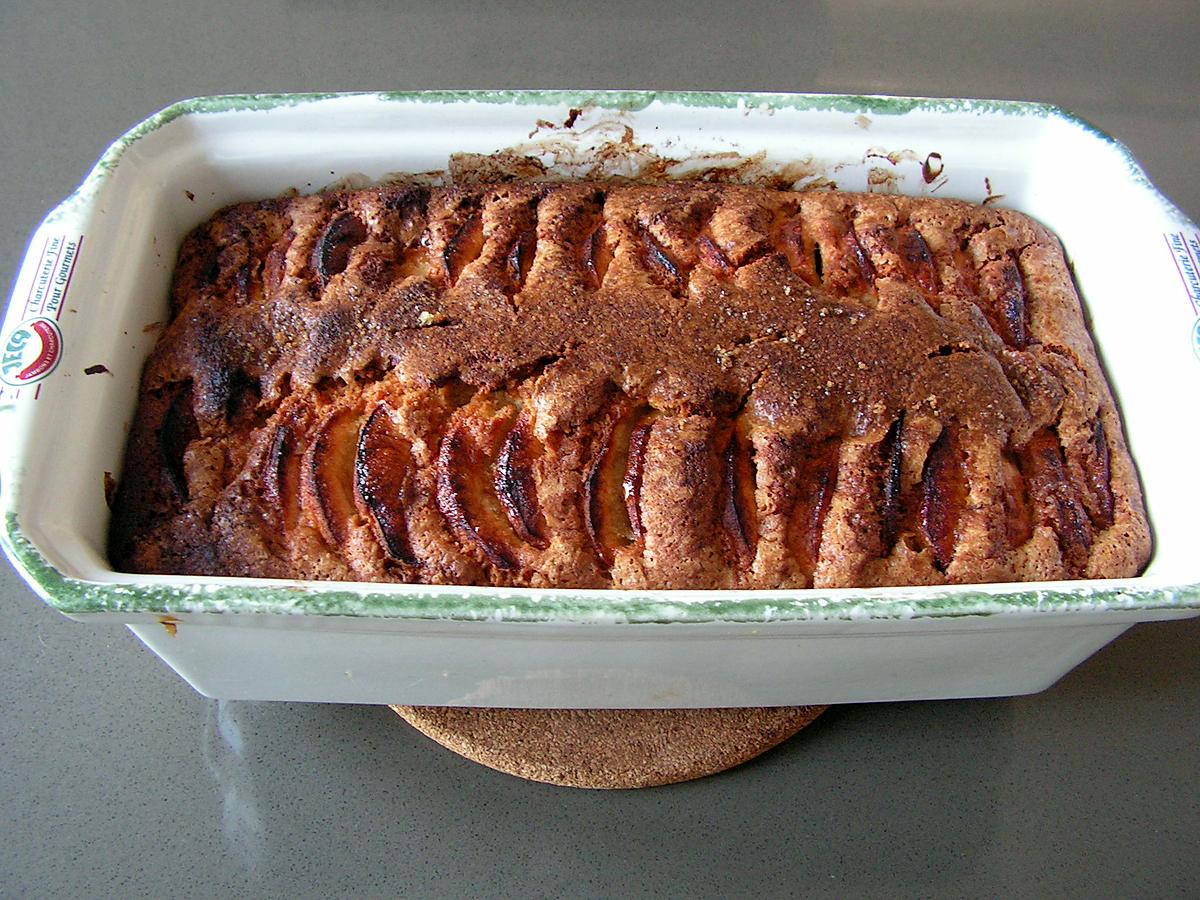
(95, 278)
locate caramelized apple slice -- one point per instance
(917, 259)
(413, 262)
(605, 503)
(631, 484)
(515, 485)
(275, 262)
(816, 478)
(944, 497)
(891, 451)
(177, 431)
(1008, 307)
(464, 500)
(877, 240)
(1056, 501)
(1097, 472)
(381, 484)
(332, 253)
(1018, 518)
(327, 476)
(711, 256)
(789, 238)
(1014, 307)
(854, 249)
(660, 263)
(596, 255)
(463, 248)
(281, 477)
(739, 515)
(841, 264)
(519, 260)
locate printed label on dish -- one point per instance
(1185, 250)
(33, 347)
(1185, 253)
(31, 352)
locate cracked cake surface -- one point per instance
(634, 386)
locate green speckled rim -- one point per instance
(215, 595)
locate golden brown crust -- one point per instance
(588, 385)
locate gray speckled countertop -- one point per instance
(117, 780)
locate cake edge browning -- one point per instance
(589, 385)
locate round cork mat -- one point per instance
(609, 748)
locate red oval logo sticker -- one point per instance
(31, 352)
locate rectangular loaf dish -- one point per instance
(94, 284)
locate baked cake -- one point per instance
(591, 385)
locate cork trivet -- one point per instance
(609, 748)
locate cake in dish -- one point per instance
(637, 386)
